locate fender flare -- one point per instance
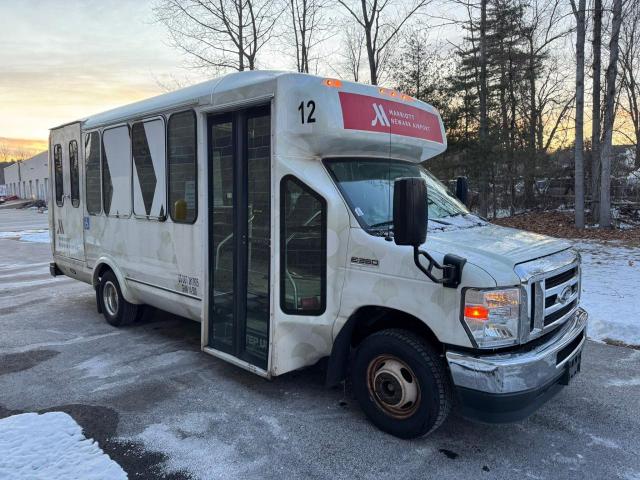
(122, 282)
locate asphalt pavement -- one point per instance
(163, 409)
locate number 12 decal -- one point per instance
(311, 107)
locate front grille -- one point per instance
(558, 314)
(552, 285)
(561, 278)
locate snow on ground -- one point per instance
(51, 446)
(36, 236)
(611, 290)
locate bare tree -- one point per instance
(609, 113)
(381, 21)
(350, 63)
(630, 65)
(542, 27)
(579, 13)
(309, 28)
(219, 34)
(596, 112)
(5, 152)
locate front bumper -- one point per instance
(510, 386)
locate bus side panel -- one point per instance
(302, 340)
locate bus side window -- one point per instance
(57, 163)
(149, 167)
(74, 173)
(183, 169)
(93, 186)
(303, 249)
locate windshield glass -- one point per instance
(368, 187)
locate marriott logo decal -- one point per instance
(381, 116)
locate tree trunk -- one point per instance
(609, 112)
(579, 143)
(371, 53)
(241, 51)
(530, 169)
(484, 120)
(596, 111)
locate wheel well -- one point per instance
(362, 323)
(100, 271)
(371, 319)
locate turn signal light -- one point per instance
(332, 82)
(476, 312)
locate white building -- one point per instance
(29, 178)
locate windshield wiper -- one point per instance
(381, 224)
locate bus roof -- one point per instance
(183, 97)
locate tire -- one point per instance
(116, 310)
(401, 383)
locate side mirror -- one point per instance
(462, 189)
(410, 212)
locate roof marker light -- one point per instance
(332, 82)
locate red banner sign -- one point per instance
(362, 112)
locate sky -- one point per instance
(64, 60)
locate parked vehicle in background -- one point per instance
(289, 214)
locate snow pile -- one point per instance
(36, 236)
(611, 291)
(51, 446)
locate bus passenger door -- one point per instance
(240, 234)
(66, 201)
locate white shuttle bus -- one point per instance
(293, 217)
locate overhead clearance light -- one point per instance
(332, 82)
(395, 94)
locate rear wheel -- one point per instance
(116, 310)
(401, 384)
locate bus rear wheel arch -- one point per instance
(401, 383)
(116, 309)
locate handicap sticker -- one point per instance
(87, 225)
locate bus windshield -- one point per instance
(368, 184)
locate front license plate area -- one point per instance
(571, 369)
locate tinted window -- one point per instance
(74, 173)
(303, 237)
(92, 173)
(181, 146)
(57, 165)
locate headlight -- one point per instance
(492, 316)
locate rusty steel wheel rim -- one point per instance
(393, 386)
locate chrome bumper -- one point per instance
(515, 372)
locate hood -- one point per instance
(493, 248)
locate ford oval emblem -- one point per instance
(565, 294)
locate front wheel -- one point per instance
(401, 384)
(116, 310)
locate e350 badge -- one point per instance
(368, 262)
